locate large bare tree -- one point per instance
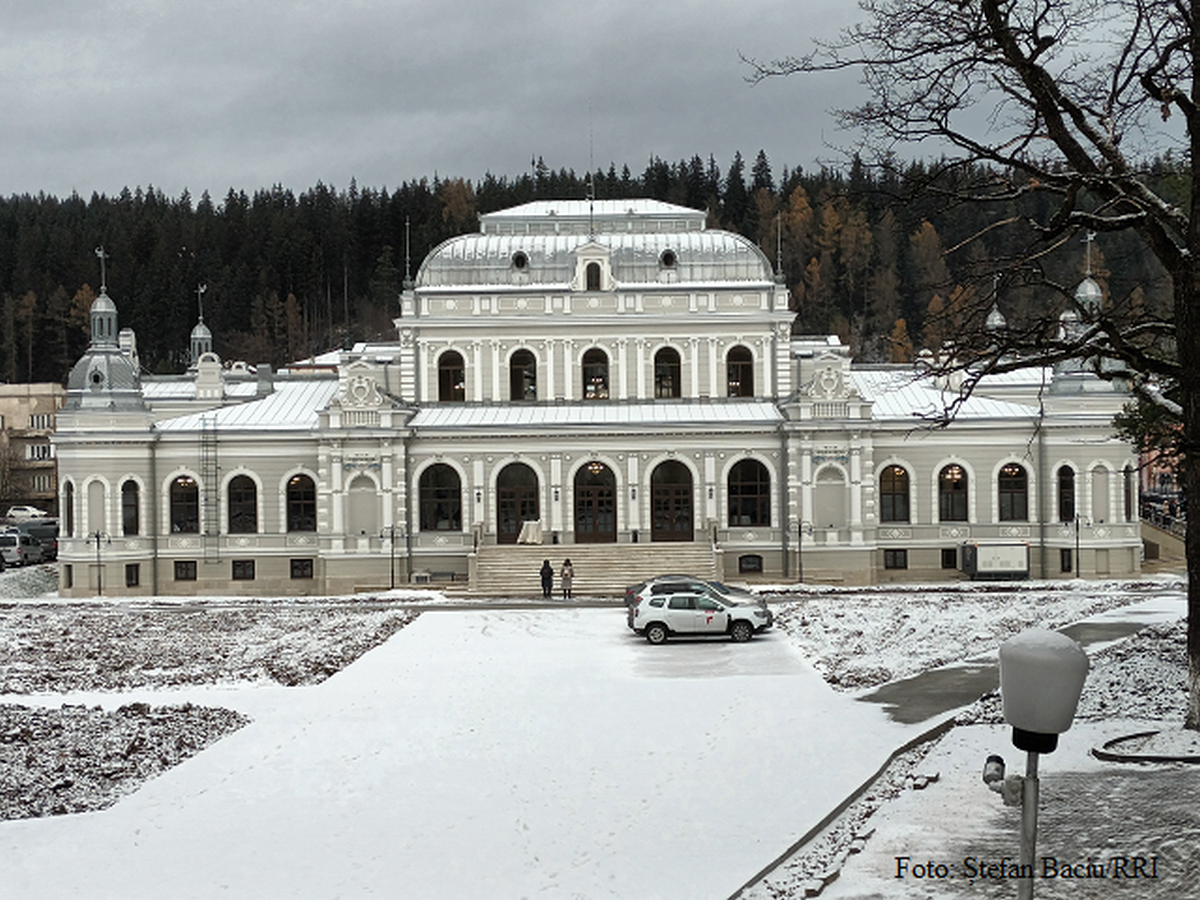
(1058, 106)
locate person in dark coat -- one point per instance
(547, 579)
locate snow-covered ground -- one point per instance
(496, 753)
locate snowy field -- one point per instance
(497, 753)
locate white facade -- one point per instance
(601, 373)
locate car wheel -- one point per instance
(741, 631)
(656, 633)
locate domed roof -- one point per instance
(1089, 294)
(103, 304)
(201, 332)
(104, 379)
(996, 320)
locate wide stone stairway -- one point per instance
(601, 570)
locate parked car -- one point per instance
(659, 616)
(46, 533)
(24, 513)
(21, 549)
(665, 584)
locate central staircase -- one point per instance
(601, 570)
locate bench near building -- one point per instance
(610, 381)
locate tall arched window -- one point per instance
(595, 375)
(69, 508)
(130, 518)
(749, 489)
(1066, 494)
(243, 505)
(952, 494)
(440, 501)
(522, 376)
(1128, 491)
(452, 377)
(593, 276)
(301, 504)
(185, 505)
(893, 494)
(1012, 485)
(739, 366)
(667, 371)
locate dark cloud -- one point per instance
(100, 96)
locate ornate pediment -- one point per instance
(359, 388)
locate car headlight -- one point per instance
(761, 613)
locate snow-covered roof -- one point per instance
(293, 406)
(591, 215)
(898, 394)
(731, 415)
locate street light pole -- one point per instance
(390, 531)
(97, 536)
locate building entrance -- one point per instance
(595, 505)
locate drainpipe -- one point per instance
(783, 497)
(1043, 491)
(155, 435)
(407, 514)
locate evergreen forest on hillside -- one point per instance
(290, 275)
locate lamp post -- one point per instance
(801, 530)
(389, 531)
(1041, 677)
(99, 536)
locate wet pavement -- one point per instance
(939, 691)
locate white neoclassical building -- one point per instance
(609, 379)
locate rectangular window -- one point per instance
(895, 559)
(185, 570)
(39, 451)
(949, 557)
(132, 574)
(43, 483)
(1066, 560)
(243, 570)
(302, 568)
(68, 576)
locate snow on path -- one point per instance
(486, 754)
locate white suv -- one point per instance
(20, 549)
(658, 616)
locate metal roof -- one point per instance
(477, 260)
(729, 415)
(904, 395)
(292, 407)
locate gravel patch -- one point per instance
(79, 758)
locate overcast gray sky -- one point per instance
(100, 95)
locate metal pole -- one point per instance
(99, 570)
(1029, 808)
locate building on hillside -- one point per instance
(608, 377)
(28, 414)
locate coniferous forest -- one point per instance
(289, 275)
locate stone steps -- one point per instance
(601, 570)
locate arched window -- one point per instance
(739, 365)
(893, 494)
(452, 377)
(69, 508)
(243, 505)
(749, 489)
(595, 375)
(1066, 494)
(593, 276)
(667, 373)
(1012, 485)
(301, 504)
(522, 376)
(440, 499)
(185, 505)
(952, 494)
(130, 518)
(1100, 502)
